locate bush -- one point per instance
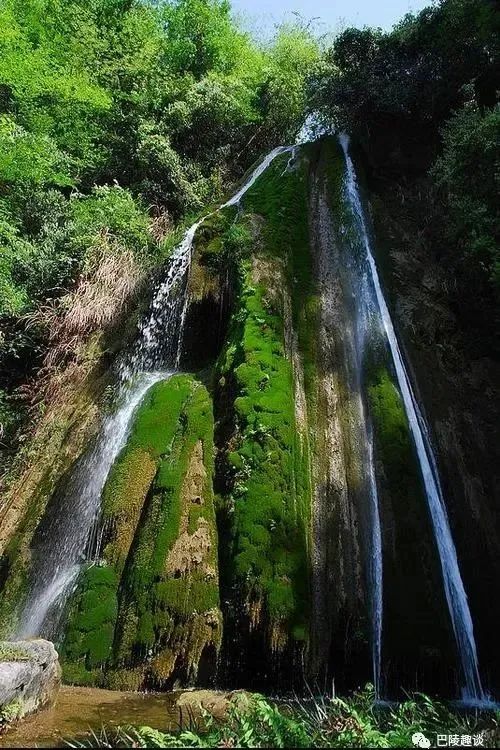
(113, 212)
(467, 173)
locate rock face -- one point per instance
(30, 676)
(456, 374)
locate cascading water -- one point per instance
(63, 545)
(360, 328)
(66, 538)
(453, 585)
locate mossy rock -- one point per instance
(134, 471)
(269, 495)
(90, 625)
(170, 582)
(157, 587)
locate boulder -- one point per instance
(30, 677)
(195, 703)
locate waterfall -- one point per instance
(361, 327)
(65, 540)
(361, 448)
(64, 544)
(454, 589)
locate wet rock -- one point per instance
(30, 677)
(195, 703)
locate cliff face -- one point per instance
(236, 527)
(457, 376)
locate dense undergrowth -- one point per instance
(354, 722)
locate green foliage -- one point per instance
(294, 55)
(318, 722)
(114, 212)
(467, 172)
(201, 37)
(13, 297)
(111, 110)
(26, 157)
(413, 74)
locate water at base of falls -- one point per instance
(454, 589)
(67, 536)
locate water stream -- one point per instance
(63, 543)
(454, 589)
(67, 537)
(360, 329)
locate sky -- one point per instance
(261, 15)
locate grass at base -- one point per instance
(319, 722)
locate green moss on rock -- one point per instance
(270, 508)
(169, 594)
(158, 591)
(281, 198)
(133, 473)
(90, 625)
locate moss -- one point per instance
(91, 619)
(124, 679)
(141, 597)
(264, 481)
(270, 519)
(133, 473)
(12, 711)
(11, 651)
(395, 448)
(216, 244)
(75, 673)
(391, 427)
(281, 197)
(171, 573)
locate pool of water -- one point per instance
(79, 710)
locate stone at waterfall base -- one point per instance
(30, 676)
(195, 702)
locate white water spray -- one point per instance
(64, 544)
(454, 588)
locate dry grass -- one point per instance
(104, 290)
(161, 225)
(76, 326)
